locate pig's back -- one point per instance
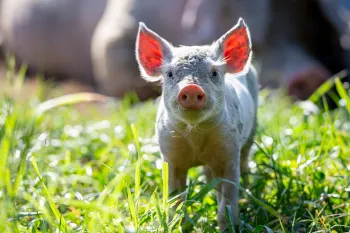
(250, 80)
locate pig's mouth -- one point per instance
(194, 117)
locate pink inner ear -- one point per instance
(237, 49)
(150, 53)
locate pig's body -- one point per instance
(187, 146)
(221, 144)
(208, 109)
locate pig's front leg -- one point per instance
(227, 194)
(177, 178)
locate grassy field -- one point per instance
(97, 168)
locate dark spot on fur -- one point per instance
(235, 105)
(240, 127)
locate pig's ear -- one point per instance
(235, 48)
(152, 52)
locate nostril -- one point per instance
(184, 97)
(199, 97)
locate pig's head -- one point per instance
(193, 77)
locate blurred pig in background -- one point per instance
(303, 48)
(52, 36)
(297, 44)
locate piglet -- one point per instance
(208, 108)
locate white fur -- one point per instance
(218, 137)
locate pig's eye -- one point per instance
(170, 74)
(214, 73)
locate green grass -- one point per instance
(97, 168)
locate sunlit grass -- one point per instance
(97, 168)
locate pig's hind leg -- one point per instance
(208, 174)
(177, 179)
(244, 163)
(253, 87)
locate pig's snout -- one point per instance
(192, 97)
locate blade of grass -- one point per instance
(69, 100)
(137, 168)
(132, 209)
(342, 93)
(20, 76)
(230, 219)
(93, 206)
(165, 188)
(53, 207)
(326, 86)
(136, 138)
(5, 147)
(160, 216)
